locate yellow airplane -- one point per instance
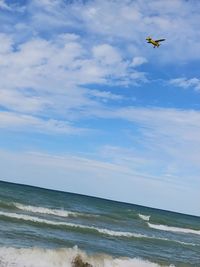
(155, 43)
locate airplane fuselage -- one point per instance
(154, 43)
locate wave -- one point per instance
(103, 231)
(65, 257)
(7, 205)
(69, 225)
(144, 217)
(56, 212)
(43, 210)
(174, 229)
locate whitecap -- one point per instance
(174, 229)
(56, 212)
(144, 217)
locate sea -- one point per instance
(47, 228)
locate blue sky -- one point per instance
(87, 106)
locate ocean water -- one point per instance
(46, 228)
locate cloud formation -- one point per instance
(42, 74)
(185, 83)
(3, 5)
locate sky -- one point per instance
(88, 106)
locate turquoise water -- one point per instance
(40, 227)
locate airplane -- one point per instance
(155, 43)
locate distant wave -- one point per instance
(103, 231)
(144, 217)
(43, 210)
(56, 212)
(65, 257)
(174, 229)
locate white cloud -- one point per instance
(6, 43)
(55, 72)
(105, 95)
(51, 74)
(16, 101)
(123, 24)
(3, 5)
(166, 141)
(185, 83)
(171, 134)
(137, 61)
(11, 6)
(27, 123)
(129, 22)
(107, 55)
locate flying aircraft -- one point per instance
(155, 43)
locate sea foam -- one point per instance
(38, 257)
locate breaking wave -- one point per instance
(174, 229)
(64, 257)
(144, 217)
(56, 212)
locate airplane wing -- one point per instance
(160, 40)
